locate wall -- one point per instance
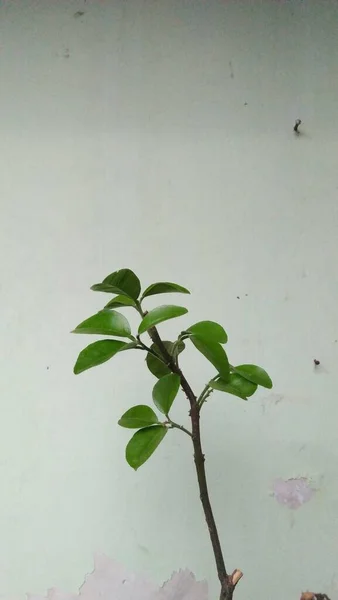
(158, 135)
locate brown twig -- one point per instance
(228, 582)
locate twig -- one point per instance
(227, 586)
(145, 347)
(228, 582)
(177, 426)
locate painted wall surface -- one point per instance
(158, 135)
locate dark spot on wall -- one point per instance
(232, 75)
(78, 14)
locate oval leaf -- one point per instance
(130, 346)
(105, 322)
(96, 354)
(215, 354)
(123, 282)
(155, 365)
(143, 443)
(160, 314)
(120, 302)
(138, 416)
(165, 392)
(236, 385)
(255, 375)
(104, 287)
(209, 331)
(164, 287)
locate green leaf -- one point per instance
(138, 416)
(105, 322)
(143, 443)
(164, 287)
(209, 331)
(236, 385)
(160, 314)
(123, 282)
(120, 302)
(104, 287)
(130, 346)
(96, 354)
(255, 375)
(165, 392)
(155, 365)
(215, 354)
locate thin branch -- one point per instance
(205, 398)
(201, 396)
(226, 584)
(177, 426)
(149, 350)
(206, 392)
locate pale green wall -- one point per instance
(125, 141)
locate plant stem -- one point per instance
(207, 390)
(177, 426)
(228, 582)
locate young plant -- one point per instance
(162, 359)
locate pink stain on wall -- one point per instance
(293, 492)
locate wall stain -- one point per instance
(293, 492)
(232, 75)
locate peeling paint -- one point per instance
(293, 492)
(110, 580)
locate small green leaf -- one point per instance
(209, 331)
(123, 282)
(165, 392)
(164, 287)
(215, 354)
(104, 287)
(120, 302)
(97, 353)
(236, 385)
(255, 375)
(143, 443)
(105, 322)
(160, 314)
(138, 416)
(155, 365)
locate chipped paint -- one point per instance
(293, 492)
(111, 580)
